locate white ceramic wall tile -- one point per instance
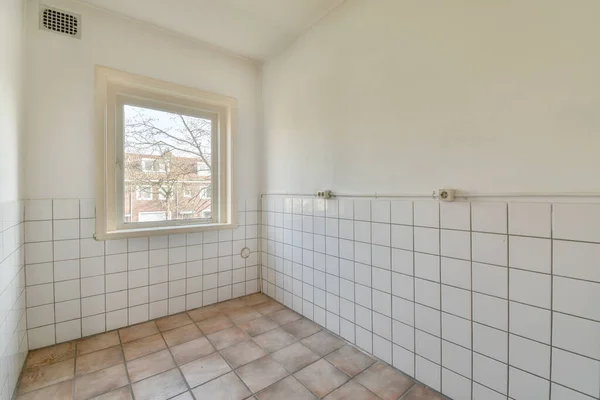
(530, 288)
(530, 219)
(523, 385)
(426, 213)
(532, 254)
(394, 286)
(490, 373)
(456, 244)
(455, 386)
(402, 212)
(530, 322)
(530, 356)
(489, 217)
(576, 372)
(578, 335)
(576, 222)
(72, 288)
(576, 260)
(490, 248)
(455, 215)
(577, 297)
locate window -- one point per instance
(152, 165)
(164, 193)
(202, 169)
(144, 192)
(154, 135)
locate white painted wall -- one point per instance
(11, 49)
(409, 96)
(60, 160)
(13, 346)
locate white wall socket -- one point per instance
(446, 194)
(324, 194)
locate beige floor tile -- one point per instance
(274, 340)
(99, 360)
(295, 357)
(242, 353)
(258, 326)
(46, 375)
(261, 373)
(230, 305)
(160, 387)
(268, 307)
(419, 392)
(352, 391)
(301, 328)
(50, 355)
(183, 396)
(350, 360)
(284, 316)
(98, 342)
(123, 393)
(384, 381)
(244, 314)
(138, 331)
(181, 335)
(254, 299)
(153, 364)
(142, 347)
(100, 382)
(286, 389)
(173, 321)
(60, 391)
(204, 369)
(321, 377)
(192, 350)
(323, 343)
(200, 314)
(215, 324)
(227, 337)
(228, 387)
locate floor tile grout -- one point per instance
(226, 312)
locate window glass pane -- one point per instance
(167, 165)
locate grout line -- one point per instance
(508, 303)
(472, 378)
(414, 295)
(552, 298)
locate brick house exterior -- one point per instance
(166, 187)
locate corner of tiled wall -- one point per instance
(77, 286)
(12, 294)
(478, 300)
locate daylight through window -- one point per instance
(165, 164)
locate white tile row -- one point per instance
(477, 300)
(14, 345)
(77, 286)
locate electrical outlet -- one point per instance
(324, 194)
(447, 194)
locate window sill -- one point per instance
(161, 231)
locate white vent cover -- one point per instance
(59, 21)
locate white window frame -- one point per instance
(187, 192)
(114, 89)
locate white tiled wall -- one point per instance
(478, 300)
(77, 286)
(13, 343)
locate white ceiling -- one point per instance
(257, 29)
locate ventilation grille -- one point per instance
(59, 21)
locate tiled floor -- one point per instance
(247, 348)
